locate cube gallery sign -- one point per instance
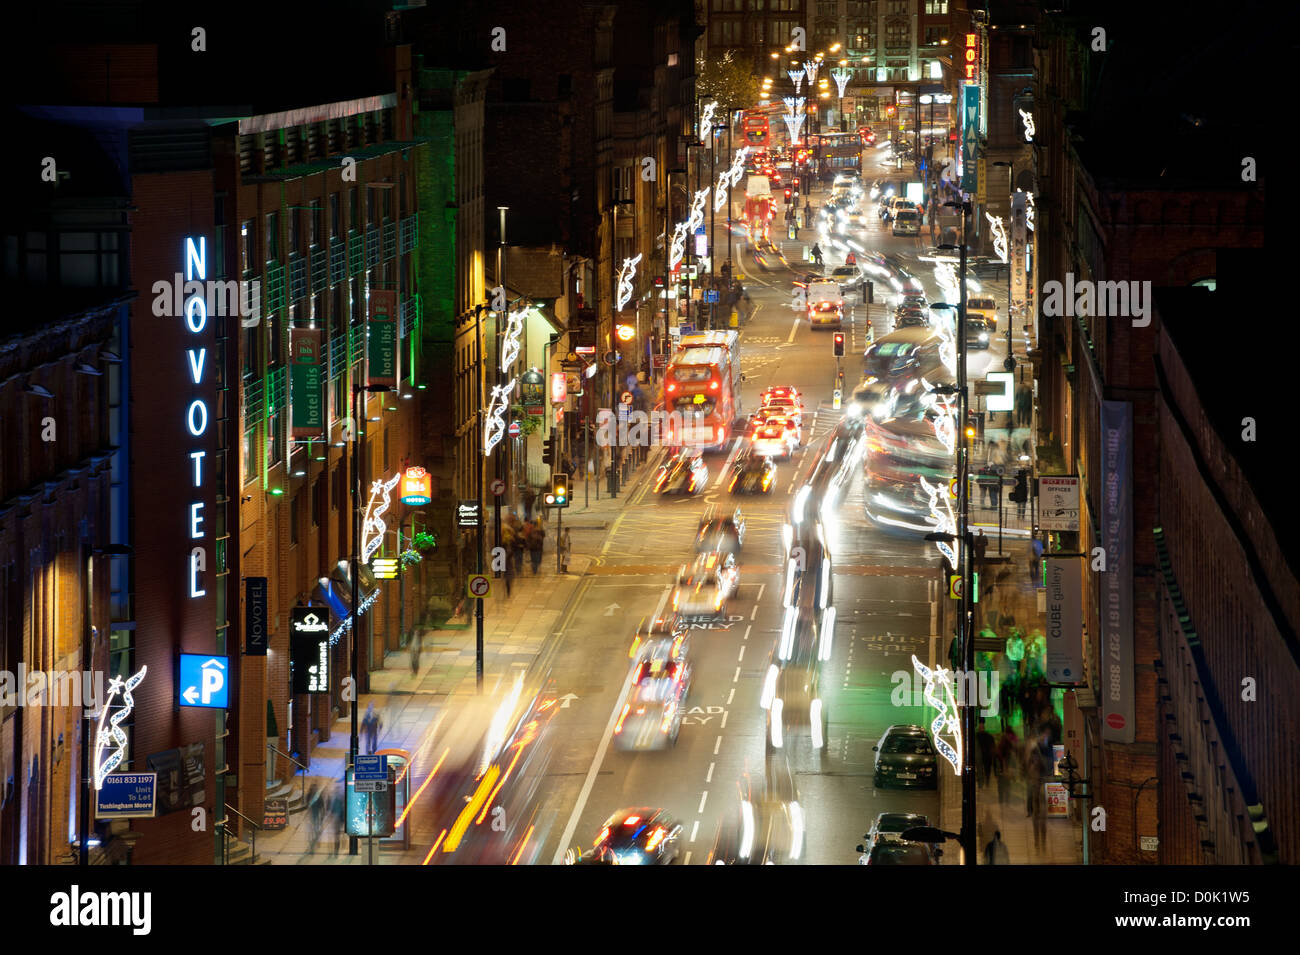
(1064, 575)
(382, 358)
(307, 407)
(309, 649)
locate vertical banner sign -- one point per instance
(970, 126)
(309, 649)
(381, 349)
(255, 616)
(1117, 582)
(307, 409)
(1065, 619)
(196, 413)
(1019, 238)
(971, 59)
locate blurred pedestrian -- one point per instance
(984, 487)
(316, 812)
(517, 544)
(995, 853)
(1034, 780)
(987, 746)
(530, 498)
(337, 818)
(371, 724)
(1036, 565)
(1024, 404)
(417, 638)
(981, 546)
(534, 537)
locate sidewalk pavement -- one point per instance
(1013, 594)
(515, 629)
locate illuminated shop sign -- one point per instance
(196, 413)
(971, 58)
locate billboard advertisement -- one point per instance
(1116, 584)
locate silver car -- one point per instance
(704, 587)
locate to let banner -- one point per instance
(381, 349)
(307, 407)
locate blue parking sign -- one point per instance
(204, 680)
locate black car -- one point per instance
(889, 852)
(725, 533)
(638, 836)
(753, 474)
(905, 756)
(907, 317)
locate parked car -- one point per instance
(905, 756)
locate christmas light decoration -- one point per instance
(1029, 212)
(946, 718)
(510, 344)
(706, 118)
(841, 76)
(999, 235)
(373, 528)
(796, 76)
(494, 428)
(941, 517)
(678, 248)
(114, 735)
(1028, 117)
(696, 218)
(625, 276)
(810, 69)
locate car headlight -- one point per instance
(984, 336)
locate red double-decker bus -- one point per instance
(757, 132)
(702, 391)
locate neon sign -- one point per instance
(114, 735)
(372, 531)
(625, 276)
(196, 415)
(945, 720)
(971, 55)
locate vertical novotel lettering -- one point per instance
(196, 414)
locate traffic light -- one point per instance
(787, 195)
(839, 344)
(971, 423)
(559, 490)
(1020, 493)
(548, 451)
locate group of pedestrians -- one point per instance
(519, 536)
(325, 811)
(1005, 759)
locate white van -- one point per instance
(907, 221)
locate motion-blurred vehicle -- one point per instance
(684, 474)
(638, 836)
(905, 757)
(825, 305)
(788, 405)
(797, 707)
(774, 441)
(781, 391)
(906, 316)
(979, 331)
(905, 353)
(911, 297)
(670, 629)
(723, 533)
(907, 222)
(984, 307)
(849, 277)
(766, 827)
(704, 587)
(652, 711)
(493, 753)
(753, 473)
(790, 423)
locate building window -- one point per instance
(295, 235)
(936, 7)
(935, 35)
(247, 245)
(779, 31)
(273, 338)
(785, 5)
(313, 217)
(318, 501)
(274, 438)
(336, 212)
(728, 33)
(250, 458)
(272, 236)
(727, 6)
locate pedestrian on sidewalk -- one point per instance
(981, 546)
(337, 813)
(1038, 772)
(817, 253)
(530, 498)
(371, 724)
(987, 747)
(534, 537)
(1024, 404)
(1036, 565)
(995, 853)
(417, 639)
(515, 551)
(316, 814)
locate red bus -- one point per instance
(702, 390)
(757, 132)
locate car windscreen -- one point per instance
(899, 853)
(909, 745)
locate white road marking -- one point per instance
(741, 658)
(793, 328)
(753, 613)
(566, 839)
(761, 588)
(726, 466)
(737, 676)
(717, 745)
(731, 695)
(747, 629)
(687, 860)
(709, 778)
(694, 829)
(723, 724)
(703, 799)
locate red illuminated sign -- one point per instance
(559, 388)
(971, 55)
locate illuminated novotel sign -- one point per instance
(196, 414)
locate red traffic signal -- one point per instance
(839, 344)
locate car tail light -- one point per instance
(675, 595)
(636, 642)
(732, 485)
(667, 721)
(671, 387)
(767, 479)
(622, 716)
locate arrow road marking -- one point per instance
(609, 611)
(567, 698)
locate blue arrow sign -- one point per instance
(203, 680)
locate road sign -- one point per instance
(609, 357)
(385, 568)
(514, 429)
(203, 680)
(479, 585)
(710, 295)
(686, 329)
(370, 786)
(371, 768)
(954, 586)
(626, 397)
(952, 489)
(498, 486)
(838, 397)
(661, 361)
